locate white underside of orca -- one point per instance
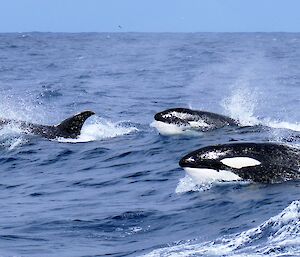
(240, 162)
(168, 129)
(201, 176)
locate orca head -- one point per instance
(183, 120)
(171, 121)
(229, 162)
(178, 121)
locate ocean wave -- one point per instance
(278, 236)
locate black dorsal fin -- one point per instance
(71, 127)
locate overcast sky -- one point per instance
(150, 15)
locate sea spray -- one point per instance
(241, 106)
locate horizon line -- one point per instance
(149, 32)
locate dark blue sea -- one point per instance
(118, 190)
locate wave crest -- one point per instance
(278, 236)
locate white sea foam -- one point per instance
(187, 184)
(278, 236)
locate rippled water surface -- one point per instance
(118, 190)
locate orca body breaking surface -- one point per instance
(178, 120)
(258, 162)
(69, 128)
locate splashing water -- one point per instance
(241, 106)
(16, 142)
(10, 137)
(278, 236)
(284, 125)
(24, 108)
(187, 184)
(100, 129)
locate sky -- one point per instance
(150, 15)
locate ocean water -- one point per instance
(118, 190)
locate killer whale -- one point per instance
(257, 162)
(178, 120)
(68, 128)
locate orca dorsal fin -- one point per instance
(71, 127)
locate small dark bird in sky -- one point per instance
(120, 27)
